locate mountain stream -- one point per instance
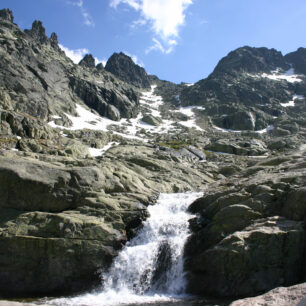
(149, 269)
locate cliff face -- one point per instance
(123, 67)
(41, 81)
(84, 149)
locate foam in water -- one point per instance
(150, 267)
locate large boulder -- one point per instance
(249, 233)
(282, 296)
(266, 254)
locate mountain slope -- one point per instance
(34, 71)
(256, 82)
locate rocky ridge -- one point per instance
(34, 71)
(123, 67)
(74, 185)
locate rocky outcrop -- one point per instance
(67, 208)
(245, 240)
(6, 14)
(112, 102)
(298, 60)
(282, 296)
(63, 219)
(88, 61)
(123, 67)
(251, 60)
(238, 147)
(38, 32)
(38, 79)
(242, 83)
(149, 119)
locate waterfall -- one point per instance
(150, 266)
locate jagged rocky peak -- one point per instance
(298, 60)
(88, 61)
(123, 67)
(100, 67)
(54, 40)
(6, 14)
(37, 32)
(251, 60)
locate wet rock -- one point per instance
(65, 217)
(282, 296)
(249, 234)
(238, 121)
(265, 255)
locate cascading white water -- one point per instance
(150, 267)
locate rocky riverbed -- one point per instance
(84, 150)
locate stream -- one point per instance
(149, 269)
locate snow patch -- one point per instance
(292, 102)
(267, 129)
(188, 110)
(289, 76)
(99, 152)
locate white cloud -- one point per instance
(78, 54)
(75, 55)
(86, 16)
(133, 3)
(98, 61)
(158, 46)
(164, 16)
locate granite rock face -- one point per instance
(298, 60)
(251, 60)
(69, 216)
(123, 67)
(282, 296)
(245, 239)
(34, 71)
(70, 199)
(7, 14)
(248, 80)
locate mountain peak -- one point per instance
(251, 60)
(298, 60)
(88, 61)
(123, 67)
(37, 32)
(6, 14)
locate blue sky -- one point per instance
(177, 40)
